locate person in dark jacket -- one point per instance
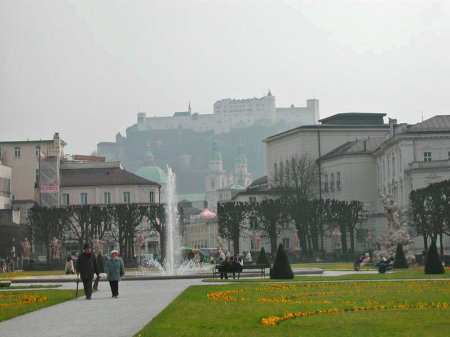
(115, 269)
(86, 266)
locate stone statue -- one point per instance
(220, 244)
(97, 246)
(56, 243)
(139, 241)
(256, 239)
(396, 232)
(337, 243)
(26, 247)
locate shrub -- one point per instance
(5, 284)
(433, 265)
(100, 264)
(281, 267)
(262, 258)
(400, 259)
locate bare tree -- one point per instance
(231, 220)
(270, 217)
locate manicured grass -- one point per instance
(15, 274)
(398, 274)
(325, 266)
(243, 311)
(36, 286)
(53, 297)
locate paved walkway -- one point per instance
(138, 303)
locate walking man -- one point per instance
(86, 266)
(114, 269)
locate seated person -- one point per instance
(357, 263)
(365, 261)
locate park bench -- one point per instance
(229, 269)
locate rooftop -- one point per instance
(357, 147)
(114, 176)
(355, 118)
(433, 124)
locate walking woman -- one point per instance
(114, 270)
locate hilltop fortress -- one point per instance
(185, 140)
(232, 114)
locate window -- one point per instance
(332, 182)
(65, 199)
(152, 197)
(427, 156)
(325, 184)
(37, 150)
(36, 175)
(126, 197)
(448, 154)
(338, 181)
(286, 243)
(107, 198)
(17, 151)
(213, 184)
(83, 198)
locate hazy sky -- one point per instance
(85, 68)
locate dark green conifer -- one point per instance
(433, 265)
(262, 258)
(400, 259)
(281, 267)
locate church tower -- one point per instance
(241, 175)
(215, 177)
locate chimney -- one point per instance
(392, 125)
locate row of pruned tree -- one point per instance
(429, 212)
(295, 199)
(82, 223)
(313, 220)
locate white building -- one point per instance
(5, 187)
(23, 157)
(234, 114)
(413, 156)
(317, 140)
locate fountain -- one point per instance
(173, 264)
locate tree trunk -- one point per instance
(442, 244)
(343, 239)
(425, 242)
(352, 240)
(302, 239)
(273, 246)
(236, 244)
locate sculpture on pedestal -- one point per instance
(56, 248)
(97, 246)
(256, 240)
(26, 247)
(396, 232)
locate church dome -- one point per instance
(207, 214)
(241, 159)
(153, 173)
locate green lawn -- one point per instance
(325, 266)
(15, 274)
(240, 310)
(53, 297)
(399, 274)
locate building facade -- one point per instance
(5, 187)
(23, 157)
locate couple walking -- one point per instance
(86, 266)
